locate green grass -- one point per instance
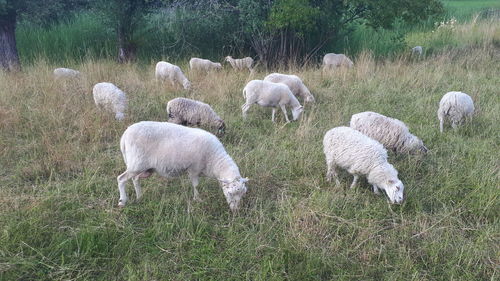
(464, 9)
(59, 159)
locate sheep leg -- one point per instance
(122, 180)
(137, 186)
(441, 124)
(195, 180)
(332, 172)
(244, 108)
(354, 181)
(376, 190)
(283, 108)
(274, 112)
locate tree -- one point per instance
(125, 16)
(11, 10)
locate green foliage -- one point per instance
(297, 15)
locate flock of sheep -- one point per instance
(173, 148)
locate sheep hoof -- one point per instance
(121, 204)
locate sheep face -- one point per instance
(234, 191)
(221, 130)
(309, 98)
(296, 112)
(228, 58)
(395, 190)
(417, 145)
(186, 85)
(218, 66)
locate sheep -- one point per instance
(391, 133)
(108, 96)
(240, 64)
(455, 106)
(294, 83)
(269, 94)
(189, 112)
(332, 60)
(198, 64)
(361, 155)
(417, 51)
(172, 150)
(172, 73)
(61, 73)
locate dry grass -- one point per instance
(60, 157)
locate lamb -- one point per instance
(64, 73)
(240, 64)
(108, 96)
(197, 64)
(269, 94)
(294, 83)
(172, 73)
(172, 150)
(189, 112)
(417, 51)
(391, 133)
(361, 155)
(455, 106)
(332, 60)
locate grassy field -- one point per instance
(465, 9)
(59, 159)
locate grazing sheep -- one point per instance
(197, 64)
(269, 94)
(417, 51)
(172, 150)
(61, 72)
(294, 83)
(108, 96)
(189, 112)
(390, 132)
(240, 64)
(361, 155)
(455, 106)
(172, 73)
(332, 60)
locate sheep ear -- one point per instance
(391, 181)
(244, 180)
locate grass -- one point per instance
(465, 9)
(59, 218)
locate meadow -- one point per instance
(60, 156)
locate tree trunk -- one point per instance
(126, 50)
(9, 59)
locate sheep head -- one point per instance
(234, 191)
(296, 112)
(394, 189)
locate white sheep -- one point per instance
(390, 132)
(455, 106)
(361, 155)
(190, 112)
(332, 60)
(172, 150)
(269, 94)
(62, 73)
(240, 64)
(197, 64)
(108, 96)
(417, 51)
(294, 83)
(171, 73)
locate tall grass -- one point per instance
(60, 156)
